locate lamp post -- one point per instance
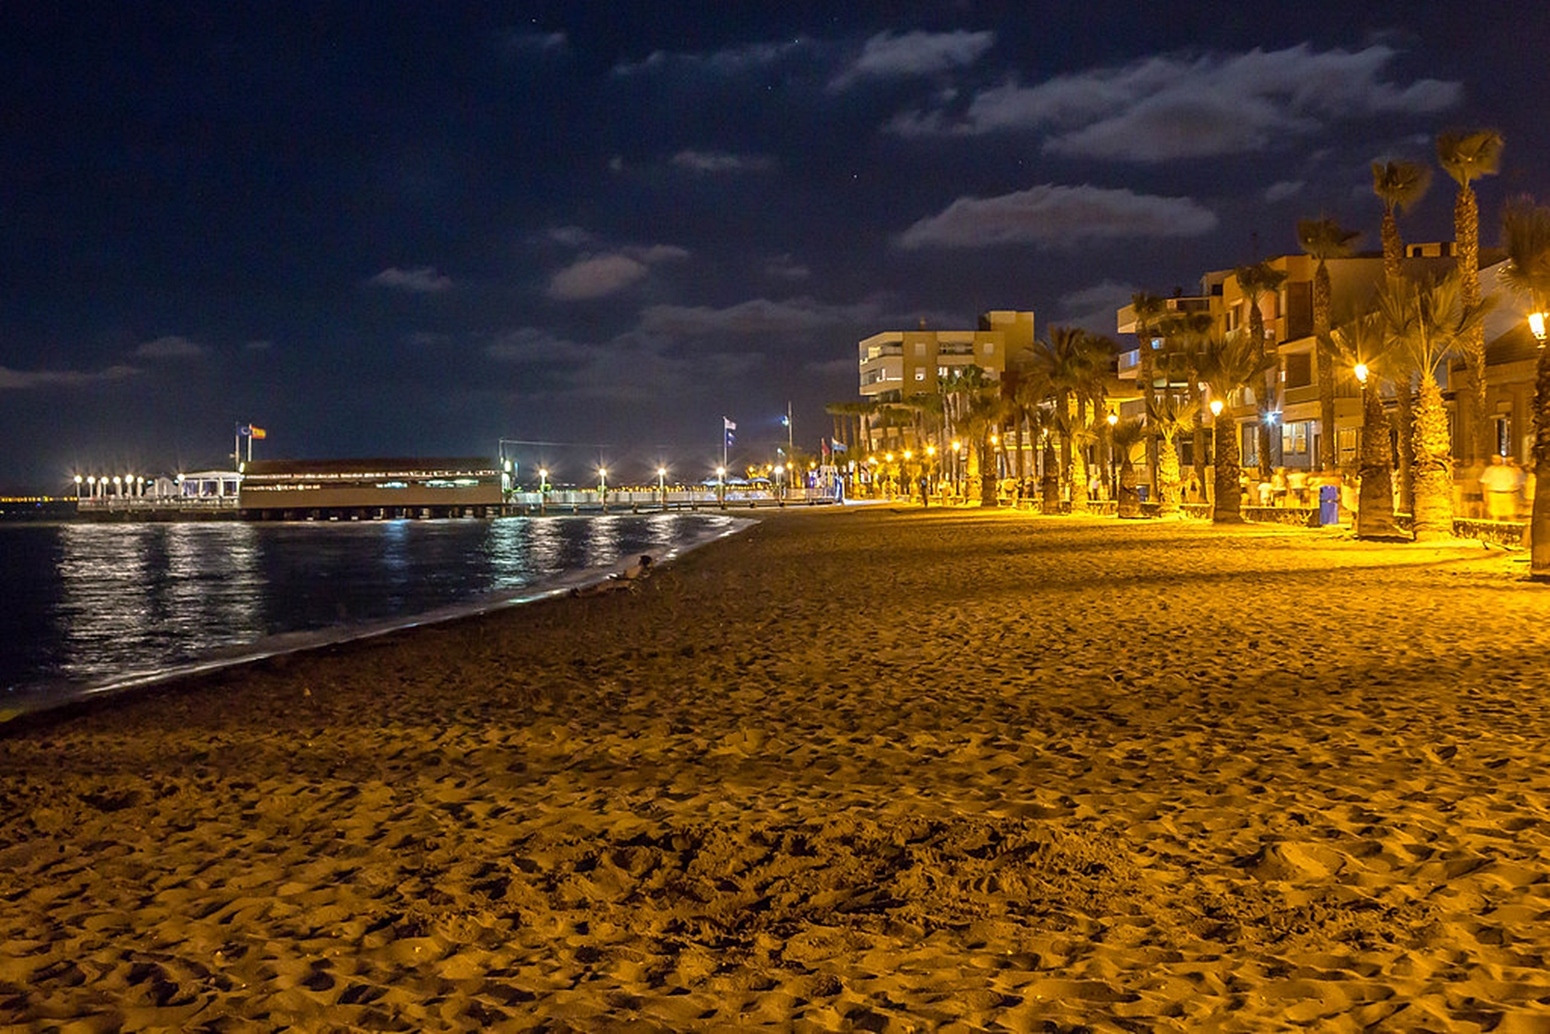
(602, 487)
(662, 486)
(78, 480)
(1536, 325)
(721, 487)
(780, 481)
(1113, 421)
(957, 468)
(543, 489)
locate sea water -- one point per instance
(87, 608)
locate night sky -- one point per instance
(394, 229)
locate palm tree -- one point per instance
(1167, 417)
(1427, 323)
(1400, 185)
(1229, 363)
(1064, 357)
(1149, 308)
(1526, 230)
(1256, 281)
(1362, 347)
(1466, 157)
(1324, 239)
(1126, 435)
(1184, 338)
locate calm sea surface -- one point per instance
(88, 607)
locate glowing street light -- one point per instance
(1360, 369)
(1536, 324)
(662, 486)
(78, 480)
(1216, 407)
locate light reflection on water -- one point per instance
(90, 603)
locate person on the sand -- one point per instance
(620, 580)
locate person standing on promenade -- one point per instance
(1278, 487)
(1499, 486)
(925, 491)
(1297, 487)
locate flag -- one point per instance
(257, 432)
(728, 425)
(837, 445)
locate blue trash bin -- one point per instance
(1141, 492)
(1329, 504)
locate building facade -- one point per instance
(896, 365)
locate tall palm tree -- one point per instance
(1467, 157)
(1185, 335)
(1126, 435)
(1526, 231)
(1229, 363)
(1149, 308)
(1064, 356)
(1362, 347)
(1167, 417)
(1256, 281)
(1400, 185)
(1427, 323)
(1324, 239)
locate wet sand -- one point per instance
(860, 770)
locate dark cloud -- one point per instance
(708, 162)
(1172, 107)
(170, 347)
(598, 276)
(24, 380)
(897, 55)
(1052, 216)
(420, 280)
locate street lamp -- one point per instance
(780, 476)
(1216, 407)
(1360, 369)
(721, 486)
(1113, 420)
(1536, 324)
(602, 487)
(78, 480)
(662, 486)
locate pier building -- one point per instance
(401, 487)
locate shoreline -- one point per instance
(39, 699)
(877, 769)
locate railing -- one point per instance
(152, 504)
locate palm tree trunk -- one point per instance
(1539, 520)
(1466, 227)
(1322, 294)
(1167, 476)
(1129, 504)
(1226, 507)
(1404, 421)
(1050, 486)
(1375, 505)
(1146, 373)
(1433, 476)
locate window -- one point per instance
(1504, 436)
(1299, 369)
(920, 374)
(1294, 438)
(920, 350)
(990, 348)
(1250, 447)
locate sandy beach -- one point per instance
(883, 770)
